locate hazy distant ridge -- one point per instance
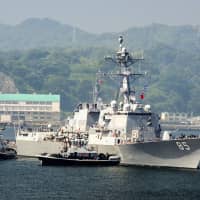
(35, 33)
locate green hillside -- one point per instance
(173, 80)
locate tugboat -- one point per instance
(129, 129)
(79, 157)
(76, 152)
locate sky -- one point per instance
(99, 16)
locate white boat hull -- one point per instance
(33, 148)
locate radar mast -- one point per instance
(124, 60)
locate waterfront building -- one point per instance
(31, 107)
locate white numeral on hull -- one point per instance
(183, 146)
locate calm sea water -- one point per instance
(27, 179)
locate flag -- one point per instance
(142, 95)
(100, 81)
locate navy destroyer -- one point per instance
(131, 130)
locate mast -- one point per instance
(124, 60)
(96, 89)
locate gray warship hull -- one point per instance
(184, 153)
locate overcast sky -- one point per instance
(103, 15)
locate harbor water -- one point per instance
(27, 179)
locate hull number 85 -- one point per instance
(183, 146)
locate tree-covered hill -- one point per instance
(172, 80)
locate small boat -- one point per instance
(6, 152)
(3, 126)
(79, 157)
